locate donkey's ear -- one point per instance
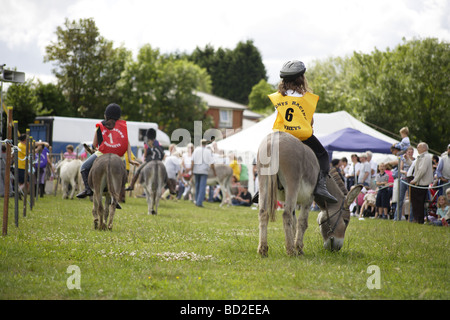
(352, 194)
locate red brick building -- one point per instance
(227, 114)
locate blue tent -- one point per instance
(349, 139)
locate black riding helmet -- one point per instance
(113, 112)
(151, 134)
(292, 69)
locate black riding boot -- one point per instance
(42, 190)
(87, 191)
(133, 181)
(321, 193)
(255, 198)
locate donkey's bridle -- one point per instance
(331, 229)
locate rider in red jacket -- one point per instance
(111, 136)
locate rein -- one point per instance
(342, 187)
(331, 229)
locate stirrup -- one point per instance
(322, 198)
(255, 198)
(85, 193)
(321, 193)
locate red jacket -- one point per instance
(114, 140)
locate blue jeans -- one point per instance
(398, 211)
(87, 165)
(85, 168)
(200, 188)
(235, 202)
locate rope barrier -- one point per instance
(15, 149)
(414, 186)
(8, 141)
(420, 187)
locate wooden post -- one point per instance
(38, 176)
(31, 173)
(56, 176)
(16, 174)
(7, 173)
(26, 184)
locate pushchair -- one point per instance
(431, 205)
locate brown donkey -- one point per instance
(288, 171)
(153, 178)
(107, 177)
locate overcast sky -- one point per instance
(281, 29)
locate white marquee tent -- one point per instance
(246, 142)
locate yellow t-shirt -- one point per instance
(236, 169)
(127, 162)
(294, 114)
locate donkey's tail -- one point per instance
(115, 197)
(268, 159)
(272, 190)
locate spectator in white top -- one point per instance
(173, 168)
(202, 160)
(363, 173)
(443, 171)
(423, 177)
(373, 168)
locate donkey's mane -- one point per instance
(337, 178)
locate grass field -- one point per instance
(210, 253)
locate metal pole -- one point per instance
(16, 173)
(7, 174)
(399, 183)
(26, 184)
(1, 114)
(38, 175)
(56, 179)
(31, 173)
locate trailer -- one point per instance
(62, 131)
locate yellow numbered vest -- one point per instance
(294, 114)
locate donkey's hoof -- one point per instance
(294, 252)
(263, 251)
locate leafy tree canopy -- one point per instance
(405, 86)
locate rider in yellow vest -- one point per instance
(295, 106)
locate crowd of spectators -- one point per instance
(183, 170)
(409, 188)
(404, 189)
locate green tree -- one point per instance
(24, 102)
(162, 89)
(425, 90)
(233, 72)
(404, 86)
(206, 58)
(245, 71)
(138, 84)
(178, 105)
(87, 66)
(258, 98)
(51, 98)
(329, 79)
(407, 86)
